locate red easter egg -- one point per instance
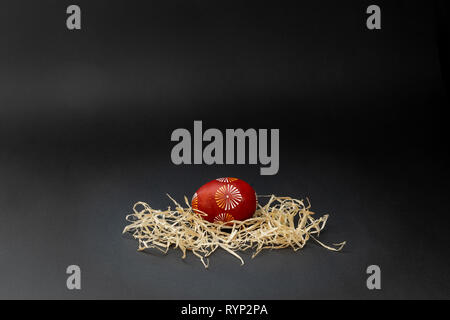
(225, 199)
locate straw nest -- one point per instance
(282, 222)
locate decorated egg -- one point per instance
(225, 199)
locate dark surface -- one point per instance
(86, 118)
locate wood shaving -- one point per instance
(282, 222)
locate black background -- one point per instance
(86, 118)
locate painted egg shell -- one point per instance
(225, 199)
